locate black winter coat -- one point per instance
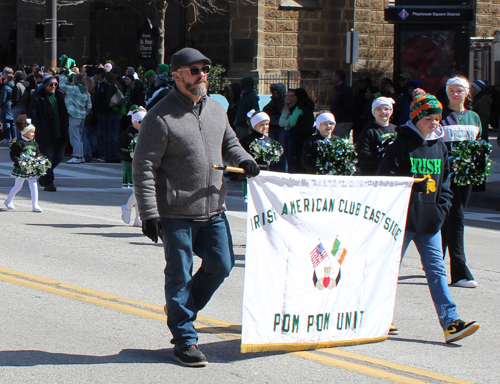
(23, 146)
(305, 123)
(41, 117)
(310, 153)
(413, 156)
(251, 137)
(368, 144)
(123, 144)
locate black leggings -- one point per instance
(453, 234)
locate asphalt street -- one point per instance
(82, 296)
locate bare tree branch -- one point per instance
(59, 2)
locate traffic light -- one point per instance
(64, 30)
(40, 31)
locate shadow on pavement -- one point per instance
(411, 277)
(96, 226)
(77, 225)
(217, 352)
(442, 344)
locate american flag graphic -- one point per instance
(318, 254)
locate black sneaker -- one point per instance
(459, 329)
(191, 356)
(393, 330)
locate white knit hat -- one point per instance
(256, 118)
(382, 101)
(138, 114)
(327, 116)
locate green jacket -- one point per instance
(249, 100)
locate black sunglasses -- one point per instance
(195, 71)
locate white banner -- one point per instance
(322, 259)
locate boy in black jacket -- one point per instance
(419, 152)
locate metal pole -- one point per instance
(351, 65)
(50, 40)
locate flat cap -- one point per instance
(186, 57)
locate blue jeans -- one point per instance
(187, 294)
(76, 136)
(16, 111)
(110, 125)
(8, 130)
(55, 153)
(429, 247)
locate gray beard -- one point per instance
(196, 90)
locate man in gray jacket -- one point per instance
(180, 196)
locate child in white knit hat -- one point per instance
(125, 148)
(26, 146)
(325, 125)
(370, 140)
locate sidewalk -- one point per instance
(487, 199)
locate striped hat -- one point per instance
(424, 105)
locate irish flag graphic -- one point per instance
(327, 265)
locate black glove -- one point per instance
(152, 229)
(421, 187)
(251, 169)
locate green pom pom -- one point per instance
(470, 162)
(337, 157)
(269, 151)
(34, 166)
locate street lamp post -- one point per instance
(50, 39)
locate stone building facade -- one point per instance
(256, 37)
(313, 42)
(487, 17)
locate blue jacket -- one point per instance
(6, 101)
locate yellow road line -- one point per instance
(208, 325)
(357, 368)
(107, 300)
(85, 298)
(399, 367)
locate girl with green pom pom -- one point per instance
(26, 146)
(372, 141)
(260, 130)
(461, 125)
(258, 143)
(325, 124)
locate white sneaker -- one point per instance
(9, 204)
(36, 208)
(74, 160)
(137, 222)
(126, 213)
(465, 284)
